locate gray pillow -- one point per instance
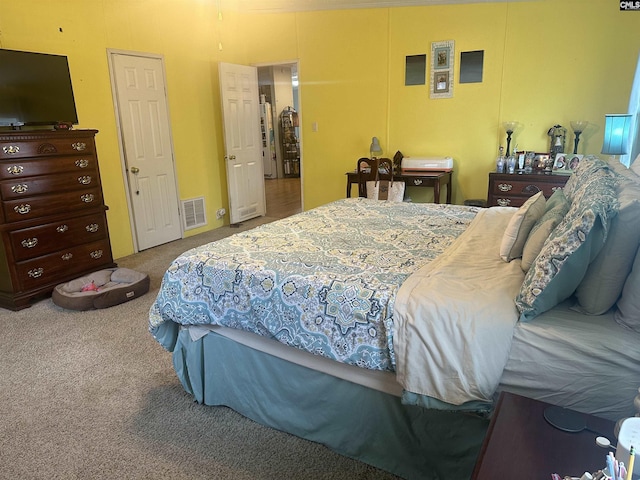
(556, 208)
(520, 225)
(628, 312)
(606, 275)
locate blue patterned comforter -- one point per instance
(323, 281)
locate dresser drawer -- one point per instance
(33, 207)
(523, 187)
(27, 187)
(36, 241)
(63, 264)
(20, 168)
(21, 148)
(513, 190)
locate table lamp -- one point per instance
(375, 150)
(578, 127)
(617, 129)
(509, 128)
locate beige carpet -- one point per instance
(91, 395)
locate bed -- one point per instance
(387, 330)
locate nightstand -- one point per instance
(520, 444)
(513, 189)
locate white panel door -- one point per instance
(242, 141)
(146, 138)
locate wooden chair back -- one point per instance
(371, 168)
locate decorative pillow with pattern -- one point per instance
(572, 245)
(520, 225)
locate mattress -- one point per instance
(545, 353)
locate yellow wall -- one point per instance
(546, 62)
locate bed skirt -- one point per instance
(361, 423)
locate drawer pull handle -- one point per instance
(504, 202)
(19, 188)
(92, 228)
(79, 146)
(531, 189)
(15, 169)
(84, 180)
(96, 254)
(62, 228)
(505, 187)
(29, 242)
(417, 181)
(87, 197)
(35, 272)
(82, 163)
(67, 256)
(22, 209)
(11, 149)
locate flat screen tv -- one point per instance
(35, 89)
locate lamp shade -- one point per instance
(375, 148)
(616, 134)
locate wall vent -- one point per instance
(193, 213)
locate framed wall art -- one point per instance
(441, 84)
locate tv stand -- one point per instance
(53, 225)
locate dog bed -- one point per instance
(101, 289)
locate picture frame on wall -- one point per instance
(441, 82)
(441, 75)
(442, 55)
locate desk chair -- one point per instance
(367, 168)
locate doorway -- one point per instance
(282, 145)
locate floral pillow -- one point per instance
(572, 245)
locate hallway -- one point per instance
(283, 197)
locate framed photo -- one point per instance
(441, 59)
(573, 160)
(542, 161)
(441, 82)
(560, 163)
(566, 162)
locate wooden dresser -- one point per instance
(53, 224)
(513, 189)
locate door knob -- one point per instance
(134, 170)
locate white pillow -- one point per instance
(520, 225)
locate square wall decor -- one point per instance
(415, 70)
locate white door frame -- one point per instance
(123, 165)
(297, 64)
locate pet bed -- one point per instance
(101, 289)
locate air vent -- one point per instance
(193, 213)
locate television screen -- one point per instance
(35, 89)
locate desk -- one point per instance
(415, 179)
(520, 444)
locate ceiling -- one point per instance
(277, 6)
